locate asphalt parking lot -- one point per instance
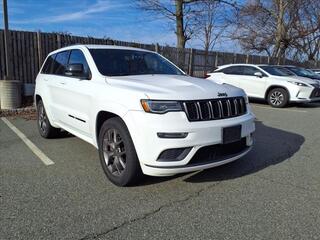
(272, 193)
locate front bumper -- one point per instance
(144, 127)
(305, 94)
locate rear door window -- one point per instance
(60, 63)
(47, 67)
(234, 70)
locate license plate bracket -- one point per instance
(231, 134)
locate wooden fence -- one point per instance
(29, 49)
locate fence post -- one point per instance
(7, 43)
(247, 58)
(191, 57)
(59, 40)
(156, 48)
(39, 48)
(216, 60)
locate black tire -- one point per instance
(44, 126)
(116, 148)
(278, 98)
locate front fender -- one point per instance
(110, 107)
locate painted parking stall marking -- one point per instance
(47, 161)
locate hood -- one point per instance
(174, 87)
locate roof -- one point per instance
(237, 64)
(93, 46)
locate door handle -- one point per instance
(62, 83)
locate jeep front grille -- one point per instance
(205, 110)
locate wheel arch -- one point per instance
(101, 117)
(37, 98)
(273, 87)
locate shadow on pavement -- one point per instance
(309, 105)
(272, 146)
(291, 105)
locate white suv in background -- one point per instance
(141, 111)
(275, 84)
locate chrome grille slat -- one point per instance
(235, 106)
(185, 109)
(221, 112)
(210, 110)
(229, 108)
(241, 104)
(199, 110)
(214, 109)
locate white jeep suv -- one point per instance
(141, 111)
(275, 84)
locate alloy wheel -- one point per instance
(277, 98)
(114, 152)
(42, 121)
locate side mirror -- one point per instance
(258, 74)
(75, 70)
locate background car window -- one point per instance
(47, 67)
(301, 72)
(235, 70)
(60, 62)
(77, 57)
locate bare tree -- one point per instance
(275, 26)
(209, 30)
(182, 12)
(210, 25)
(308, 26)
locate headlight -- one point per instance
(299, 84)
(156, 106)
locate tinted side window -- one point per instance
(250, 71)
(60, 62)
(47, 67)
(236, 70)
(76, 56)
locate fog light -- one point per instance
(175, 154)
(172, 135)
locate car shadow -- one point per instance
(272, 146)
(291, 105)
(308, 105)
(64, 134)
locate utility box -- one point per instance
(10, 94)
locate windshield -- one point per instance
(277, 71)
(119, 62)
(302, 72)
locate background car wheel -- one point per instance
(118, 156)
(278, 98)
(44, 126)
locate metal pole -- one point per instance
(6, 39)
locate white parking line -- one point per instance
(280, 109)
(47, 161)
